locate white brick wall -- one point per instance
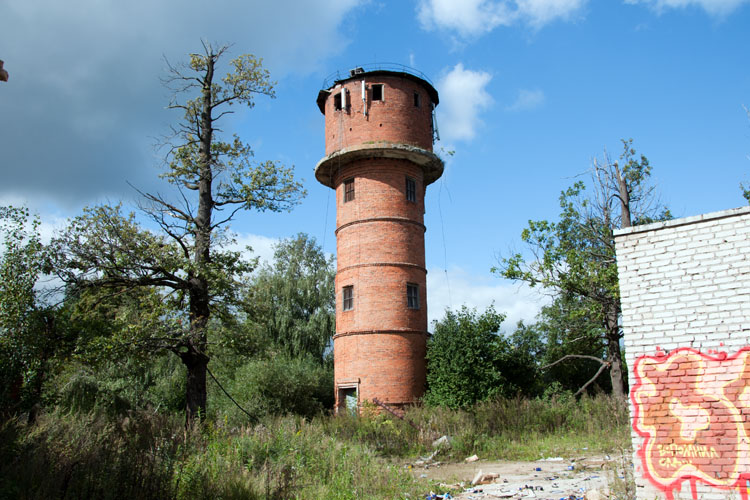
(684, 283)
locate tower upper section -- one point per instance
(379, 113)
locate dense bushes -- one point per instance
(277, 386)
(468, 360)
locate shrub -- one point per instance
(462, 358)
(277, 386)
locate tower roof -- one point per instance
(377, 69)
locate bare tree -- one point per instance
(193, 275)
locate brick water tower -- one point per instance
(379, 129)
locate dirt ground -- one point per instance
(555, 478)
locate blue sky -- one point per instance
(530, 92)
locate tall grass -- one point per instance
(513, 429)
(70, 454)
(87, 456)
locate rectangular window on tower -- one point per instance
(348, 298)
(412, 296)
(417, 100)
(411, 189)
(377, 92)
(337, 102)
(348, 190)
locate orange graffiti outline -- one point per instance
(645, 387)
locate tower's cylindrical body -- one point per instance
(379, 160)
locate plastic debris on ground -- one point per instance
(441, 441)
(433, 496)
(579, 479)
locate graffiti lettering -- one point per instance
(693, 412)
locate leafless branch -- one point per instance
(591, 381)
(577, 356)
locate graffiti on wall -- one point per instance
(693, 411)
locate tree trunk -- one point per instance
(52, 338)
(195, 390)
(614, 354)
(622, 185)
(196, 359)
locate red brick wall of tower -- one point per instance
(394, 119)
(380, 343)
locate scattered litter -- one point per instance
(592, 495)
(470, 459)
(442, 441)
(455, 486)
(433, 496)
(481, 478)
(551, 459)
(578, 479)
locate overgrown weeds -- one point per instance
(96, 454)
(66, 455)
(511, 429)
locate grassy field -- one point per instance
(86, 455)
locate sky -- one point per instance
(530, 92)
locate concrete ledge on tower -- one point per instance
(431, 163)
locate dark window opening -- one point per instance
(417, 101)
(348, 190)
(348, 303)
(411, 189)
(337, 102)
(412, 296)
(377, 92)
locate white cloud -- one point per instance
(526, 100)
(457, 288)
(84, 80)
(462, 98)
(262, 246)
(713, 7)
(537, 13)
(472, 18)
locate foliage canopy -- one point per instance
(576, 255)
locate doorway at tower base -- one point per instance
(389, 366)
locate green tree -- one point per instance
(462, 358)
(27, 326)
(291, 302)
(576, 255)
(570, 326)
(191, 276)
